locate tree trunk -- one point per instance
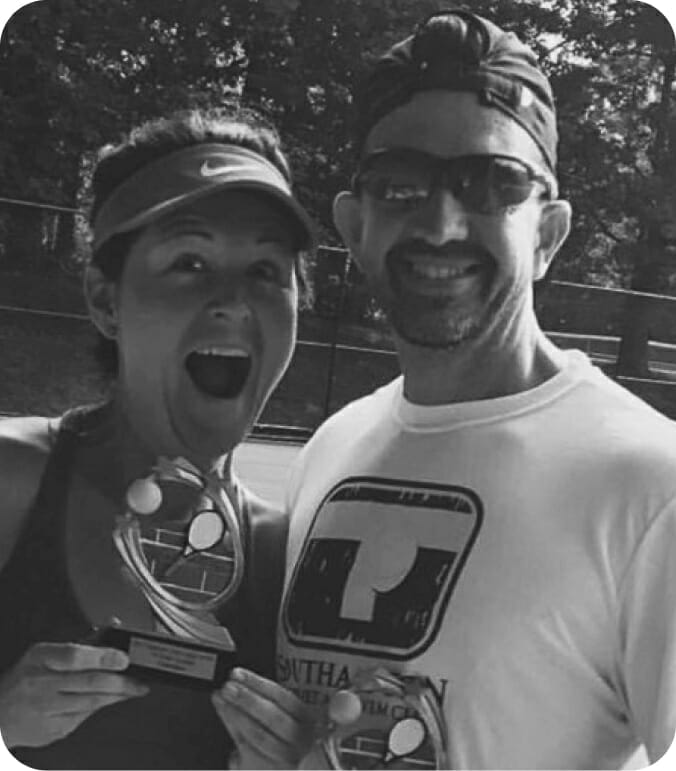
(64, 243)
(652, 257)
(23, 247)
(639, 316)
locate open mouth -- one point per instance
(219, 372)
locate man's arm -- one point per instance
(648, 633)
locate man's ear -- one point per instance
(553, 229)
(348, 221)
(101, 296)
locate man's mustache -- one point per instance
(417, 247)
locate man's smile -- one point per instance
(441, 271)
(433, 275)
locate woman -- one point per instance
(193, 284)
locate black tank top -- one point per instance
(172, 727)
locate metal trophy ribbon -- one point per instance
(386, 721)
(184, 574)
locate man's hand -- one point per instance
(57, 686)
(269, 725)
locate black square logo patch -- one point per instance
(379, 565)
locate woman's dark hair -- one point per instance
(153, 140)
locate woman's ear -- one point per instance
(553, 229)
(101, 296)
(348, 221)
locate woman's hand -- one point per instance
(270, 726)
(57, 686)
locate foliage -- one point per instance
(76, 73)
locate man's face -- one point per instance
(206, 321)
(446, 274)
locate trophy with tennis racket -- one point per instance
(184, 570)
(385, 721)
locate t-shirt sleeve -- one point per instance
(648, 634)
(294, 484)
(293, 481)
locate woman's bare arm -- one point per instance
(24, 448)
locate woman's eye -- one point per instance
(188, 263)
(265, 270)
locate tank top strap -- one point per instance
(254, 627)
(45, 523)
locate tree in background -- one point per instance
(75, 73)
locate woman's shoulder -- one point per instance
(25, 444)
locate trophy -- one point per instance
(385, 720)
(184, 573)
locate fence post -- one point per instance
(336, 326)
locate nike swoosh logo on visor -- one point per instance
(206, 170)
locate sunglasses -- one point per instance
(483, 184)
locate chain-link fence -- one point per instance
(344, 349)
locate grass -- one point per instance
(48, 364)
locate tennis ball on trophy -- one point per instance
(144, 496)
(344, 707)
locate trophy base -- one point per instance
(154, 656)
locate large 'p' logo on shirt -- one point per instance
(379, 565)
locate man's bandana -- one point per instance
(496, 66)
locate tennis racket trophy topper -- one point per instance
(384, 721)
(184, 574)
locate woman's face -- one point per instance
(206, 322)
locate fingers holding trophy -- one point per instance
(386, 721)
(184, 571)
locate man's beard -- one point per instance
(443, 321)
(432, 322)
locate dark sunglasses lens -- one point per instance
(482, 183)
(489, 185)
(396, 177)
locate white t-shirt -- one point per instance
(519, 552)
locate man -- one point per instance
(499, 523)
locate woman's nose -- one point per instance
(230, 304)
